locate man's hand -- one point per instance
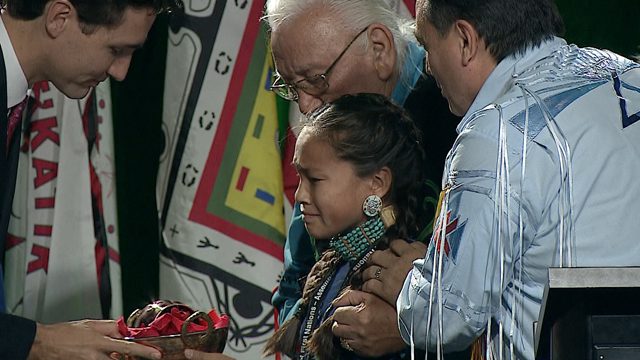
(367, 324)
(387, 270)
(86, 339)
(197, 355)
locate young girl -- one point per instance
(359, 162)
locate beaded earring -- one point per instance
(372, 205)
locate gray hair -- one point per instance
(356, 14)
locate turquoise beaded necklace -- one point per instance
(353, 245)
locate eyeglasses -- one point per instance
(314, 85)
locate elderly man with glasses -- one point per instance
(323, 49)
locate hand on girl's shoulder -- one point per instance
(387, 269)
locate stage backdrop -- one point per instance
(220, 196)
(221, 187)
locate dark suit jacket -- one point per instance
(16, 333)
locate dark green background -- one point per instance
(612, 25)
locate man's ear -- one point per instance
(381, 182)
(468, 41)
(384, 50)
(58, 15)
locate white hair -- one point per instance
(354, 14)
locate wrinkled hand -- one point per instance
(86, 339)
(387, 270)
(367, 324)
(197, 355)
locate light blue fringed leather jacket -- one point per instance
(545, 172)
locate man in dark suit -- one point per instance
(75, 44)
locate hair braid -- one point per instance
(285, 339)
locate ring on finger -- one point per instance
(377, 273)
(345, 344)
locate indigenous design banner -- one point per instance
(222, 201)
(63, 223)
(220, 190)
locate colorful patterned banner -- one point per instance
(220, 186)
